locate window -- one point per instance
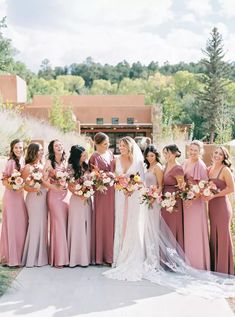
(130, 120)
(115, 120)
(99, 120)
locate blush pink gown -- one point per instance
(58, 209)
(196, 236)
(14, 223)
(220, 215)
(103, 215)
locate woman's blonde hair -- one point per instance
(128, 141)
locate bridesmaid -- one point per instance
(196, 236)
(153, 176)
(220, 213)
(14, 218)
(103, 215)
(57, 198)
(79, 221)
(36, 245)
(173, 177)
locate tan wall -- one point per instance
(13, 89)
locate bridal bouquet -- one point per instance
(83, 186)
(168, 201)
(102, 180)
(34, 180)
(15, 180)
(149, 195)
(128, 184)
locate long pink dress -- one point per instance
(79, 231)
(220, 215)
(196, 236)
(174, 220)
(36, 244)
(58, 208)
(14, 223)
(103, 215)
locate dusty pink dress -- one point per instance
(220, 215)
(174, 220)
(36, 244)
(103, 215)
(58, 209)
(196, 236)
(14, 223)
(79, 231)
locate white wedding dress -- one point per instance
(144, 248)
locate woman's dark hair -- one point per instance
(173, 148)
(51, 153)
(74, 159)
(32, 153)
(100, 137)
(12, 155)
(151, 148)
(226, 161)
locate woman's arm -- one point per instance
(228, 178)
(159, 177)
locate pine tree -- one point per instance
(213, 97)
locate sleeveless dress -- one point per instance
(14, 223)
(129, 227)
(152, 226)
(102, 232)
(174, 220)
(196, 236)
(220, 215)
(79, 231)
(36, 243)
(58, 208)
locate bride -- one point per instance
(143, 249)
(129, 225)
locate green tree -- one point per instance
(212, 98)
(46, 70)
(6, 49)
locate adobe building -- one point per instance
(116, 115)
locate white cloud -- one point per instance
(227, 8)
(3, 8)
(200, 8)
(188, 18)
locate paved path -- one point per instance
(45, 292)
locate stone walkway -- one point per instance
(45, 292)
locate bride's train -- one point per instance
(153, 256)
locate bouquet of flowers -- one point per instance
(128, 184)
(15, 180)
(204, 188)
(102, 180)
(61, 179)
(83, 186)
(187, 193)
(168, 201)
(34, 180)
(149, 195)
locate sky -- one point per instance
(110, 31)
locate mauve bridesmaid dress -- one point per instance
(220, 215)
(174, 220)
(103, 215)
(196, 236)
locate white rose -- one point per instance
(88, 183)
(37, 176)
(207, 192)
(78, 186)
(201, 184)
(196, 189)
(167, 194)
(80, 192)
(37, 185)
(106, 180)
(59, 174)
(190, 195)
